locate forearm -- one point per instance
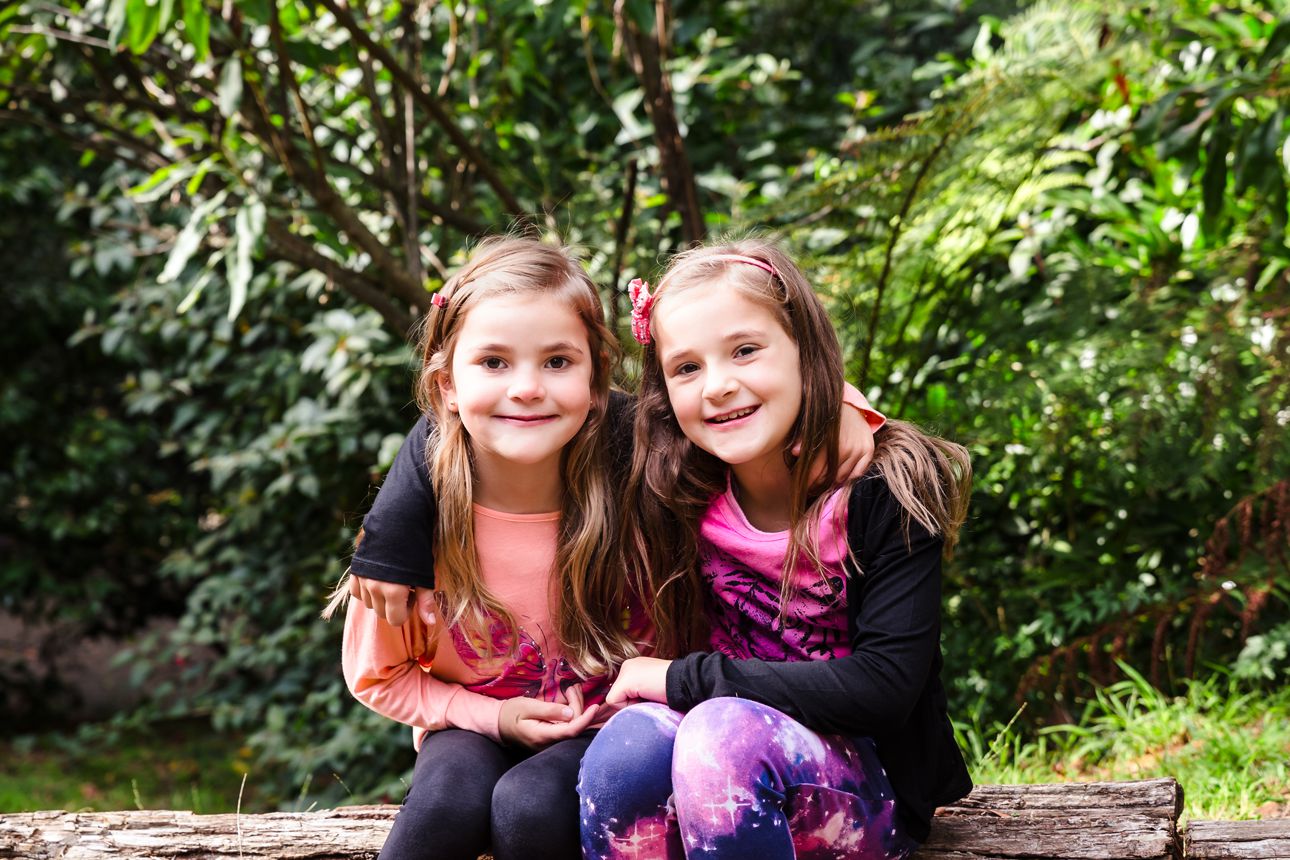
(855, 695)
(381, 670)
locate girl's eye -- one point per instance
(493, 363)
(745, 350)
(558, 362)
(685, 369)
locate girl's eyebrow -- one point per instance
(558, 346)
(741, 334)
(563, 346)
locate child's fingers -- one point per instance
(573, 693)
(607, 710)
(859, 468)
(541, 733)
(551, 712)
(581, 723)
(396, 613)
(618, 693)
(426, 606)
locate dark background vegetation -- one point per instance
(1052, 231)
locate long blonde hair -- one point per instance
(589, 592)
(672, 480)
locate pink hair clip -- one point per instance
(439, 300)
(642, 301)
(764, 265)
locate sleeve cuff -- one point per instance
(851, 396)
(474, 712)
(680, 692)
(367, 569)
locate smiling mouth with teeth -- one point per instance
(731, 416)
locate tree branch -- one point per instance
(648, 58)
(430, 104)
(299, 252)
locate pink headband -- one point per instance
(643, 301)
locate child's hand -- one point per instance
(855, 444)
(640, 678)
(855, 447)
(533, 724)
(387, 599)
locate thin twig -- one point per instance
(62, 36)
(238, 816)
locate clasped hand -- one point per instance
(536, 724)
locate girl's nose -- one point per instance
(526, 385)
(719, 386)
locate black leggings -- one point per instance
(471, 795)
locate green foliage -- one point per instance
(89, 504)
(1225, 744)
(1024, 266)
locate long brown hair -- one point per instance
(672, 480)
(588, 591)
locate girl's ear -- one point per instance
(447, 391)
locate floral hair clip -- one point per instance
(642, 302)
(439, 300)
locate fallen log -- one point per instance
(1094, 821)
(1249, 840)
(347, 833)
(1091, 821)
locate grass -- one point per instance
(173, 765)
(1228, 746)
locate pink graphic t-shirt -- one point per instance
(743, 568)
(433, 677)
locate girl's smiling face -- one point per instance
(520, 379)
(733, 375)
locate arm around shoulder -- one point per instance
(398, 532)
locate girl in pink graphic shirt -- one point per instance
(803, 714)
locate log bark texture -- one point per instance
(1251, 840)
(348, 833)
(1090, 821)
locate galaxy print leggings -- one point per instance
(732, 778)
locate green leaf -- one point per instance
(159, 183)
(937, 397)
(1214, 182)
(197, 26)
(195, 293)
(249, 225)
(195, 184)
(167, 14)
(142, 20)
(116, 15)
(230, 87)
(189, 239)
(1278, 42)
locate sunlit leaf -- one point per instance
(230, 86)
